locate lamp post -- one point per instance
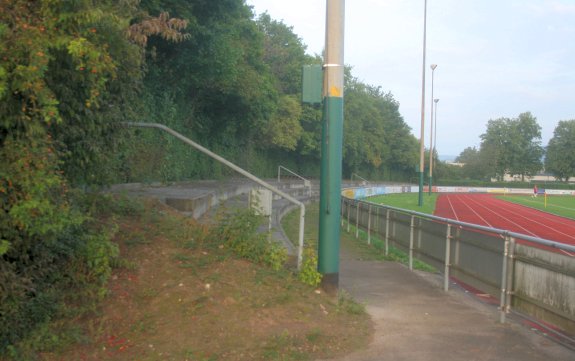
(331, 147)
(421, 140)
(433, 66)
(435, 121)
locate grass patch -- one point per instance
(407, 201)
(347, 304)
(290, 224)
(563, 206)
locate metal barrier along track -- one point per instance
(525, 274)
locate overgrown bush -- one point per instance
(308, 273)
(54, 260)
(239, 233)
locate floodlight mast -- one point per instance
(331, 148)
(433, 66)
(421, 140)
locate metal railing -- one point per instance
(534, 276)
(239, 170)
(365, 181)
(306, 182)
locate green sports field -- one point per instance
(560, 205)
(407, 201)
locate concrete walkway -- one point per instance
(416, 320)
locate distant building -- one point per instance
(456, 164)
(538, 178)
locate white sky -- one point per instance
(496, 58)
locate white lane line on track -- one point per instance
(551, 206)
(462, 200)
(540, 215)
(451, 206)
(529, 219)
(468, 197)
(549, 218)
(507, 220)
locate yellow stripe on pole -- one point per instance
(335, 92)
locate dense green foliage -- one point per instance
(508, 146)
(242, 90)
(66, 71)
(560, 157)
(377, 143)
(240, 234)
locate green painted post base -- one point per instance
(330, 283)
(430, 184)
(330, 192)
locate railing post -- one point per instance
(419, 232)
(300, 236)
(369, 225)
(342, 210)
(510, 274)
(411, 236)
(377, 223)
(357, 220)
(348, 210)
(457, 246)
(503, 295)
(447, 258)
(387, 232)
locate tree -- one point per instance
(497, 142)
(527, 152)
(64, 66)
(284, 129)
(473, 164)
(402, 144)
(468, 155)
(376, 139)
(284, 52)
(512, 146)
(560, 158)
(222, 90)
(363, 128)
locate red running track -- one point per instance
(486, 210)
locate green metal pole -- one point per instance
(331, 148)
(421, 140)
(431, 144)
